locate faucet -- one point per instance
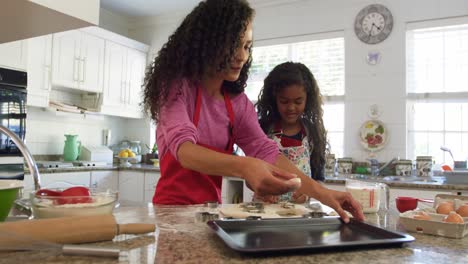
(26, 154)
(375, 169)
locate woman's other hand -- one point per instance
(341, 201)
(266, 179)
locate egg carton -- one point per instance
(436, 225)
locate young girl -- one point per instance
(195, 93)
(290, 112)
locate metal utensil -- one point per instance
(444, 148)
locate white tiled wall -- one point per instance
(45, 129)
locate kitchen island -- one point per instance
(179, 238)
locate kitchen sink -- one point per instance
(409, 179)
(387, 179)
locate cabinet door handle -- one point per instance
(82, 68)
(122, 92)
(129, 91)
(46, 77)
(75, 69)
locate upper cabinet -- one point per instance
(39, 64)
(123, 79)
(13, 55)
(78, 61)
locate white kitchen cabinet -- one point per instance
(105, 180)
(78, 61)
(131, 185)
(151, 179)
(39, 70)
(62, 179)
(123, 78)
(13, 55)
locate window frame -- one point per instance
(413, 98)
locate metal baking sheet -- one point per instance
(304, 234)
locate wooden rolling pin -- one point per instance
(67, 230)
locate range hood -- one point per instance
(22, 19)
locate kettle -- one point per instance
(72, 148)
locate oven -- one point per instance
(13, 116)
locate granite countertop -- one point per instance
(136, 167)
(180, 239)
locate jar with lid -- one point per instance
(345, 165)
(330, 165)
(424, 166)
(135, 147)
(403, 167)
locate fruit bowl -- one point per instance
(8, 193)
(125, 162)
(74, 201)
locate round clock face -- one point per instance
(373, 24)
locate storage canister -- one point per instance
(403, 167)
(424, 166)
(345, 165)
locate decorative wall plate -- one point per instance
(373, 135)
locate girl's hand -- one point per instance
(266, 179)
(341, 201)
(299, 198)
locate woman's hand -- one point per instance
(266, 179)
(341, 201)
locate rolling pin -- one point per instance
(67, 230)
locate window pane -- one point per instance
(452, 141)
(428, 117)
(437, 59)
(336, 143)
(427, 144)
(453, 117)
(325, 58)
(333, 119)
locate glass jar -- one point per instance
(403, 167)
(345, 165)
(424, 166)
(330, 165)
(135, 147)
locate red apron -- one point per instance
(178, 185)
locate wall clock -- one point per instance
(373, 24)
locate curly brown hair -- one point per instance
(282, 76)
(208, 36)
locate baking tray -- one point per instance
(303, 234)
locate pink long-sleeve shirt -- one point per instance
(176, 127)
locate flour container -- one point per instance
(372, 196)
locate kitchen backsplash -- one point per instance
(46, 129)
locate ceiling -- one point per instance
(142, 8)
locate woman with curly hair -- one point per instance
(194, 91)
(290, 112)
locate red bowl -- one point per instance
(404, 204)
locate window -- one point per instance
(323, 54)
(436, 65)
